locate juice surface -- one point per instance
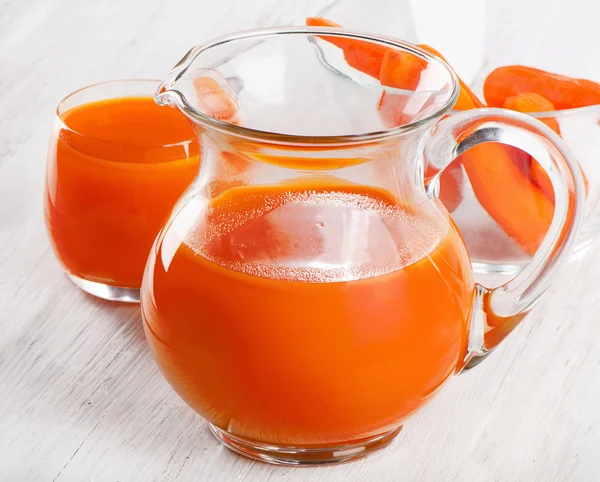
(300, 315)
(116, 169)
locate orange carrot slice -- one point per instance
(518, 206)
(361, 55)
(530, 102)
(214, 101)
(564, 92)
(401, 70)
(541, 180)
(451, 184)
(466, 98)
(524, 213)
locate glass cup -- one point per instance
(108, 192)
(310, 292)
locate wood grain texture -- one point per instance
(80, 396)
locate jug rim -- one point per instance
(166, 94)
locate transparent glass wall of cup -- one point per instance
(107, 196)
(475, 37)
(309, 291)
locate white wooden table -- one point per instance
(80, 396)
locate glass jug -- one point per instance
(310, 291)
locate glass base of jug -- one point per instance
(106, 292)
(290, 455)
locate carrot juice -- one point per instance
(116, 168)
(307, 314)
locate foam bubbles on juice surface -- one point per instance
(317, 236)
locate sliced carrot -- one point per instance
(451, 183)
(522, 160)
(214, 101)
(502, 189)
(466, 98)
(360, 54)
(530, 102)
(541, 180)
(519, 207)
(564, 92)
(323, 22)
(401, 70)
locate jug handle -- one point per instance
(497, 311)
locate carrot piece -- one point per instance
(214, 101)
(525, 213)
(360, 54)
(323, 22)
(564, 92)
(466, 98)
(530, 102)
(451, 183)
(518, 206)
(401, 70)
(541, 180)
